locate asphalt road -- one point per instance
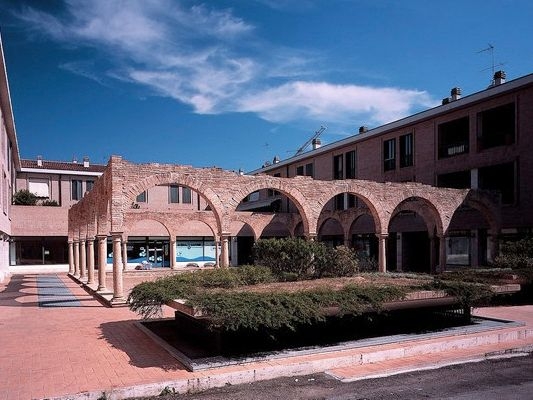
(508, 379)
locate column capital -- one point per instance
(90, 239)
(382, 235)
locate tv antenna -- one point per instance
(315, 136)
(493, 65)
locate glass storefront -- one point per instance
(39, 250)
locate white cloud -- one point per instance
(210, 59)
(342, 103)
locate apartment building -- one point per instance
(39, 232)
(480, 141)
(9, 163)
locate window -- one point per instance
(173, 194)
(309, 169)
(277, 175)
(339, 202)
(142, 198)
(89, 186)
(496, 127)
(77, 191)
(500, 177)
(300, 170)
(406, 150)
(39, 187)
(389, 154)
(454, 137)
(338, 173)
(350, 165)
(186, 195)
(456, 180)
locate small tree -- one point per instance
(50, 203)
(24, 198)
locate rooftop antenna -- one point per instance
(493, 65)
(315, 136)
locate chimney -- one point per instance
(363, 129)
(456, 93)
(74, 160)
(275, 160)
(499, 77)
(316, 143)
(39, 161)
(445, 100)
(86, 162)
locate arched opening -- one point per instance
(190, 227)
(331, 233)
(411, 244)
(272, 210)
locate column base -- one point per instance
(118, 300)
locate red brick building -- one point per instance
(480, 141)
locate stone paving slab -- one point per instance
(80, 352)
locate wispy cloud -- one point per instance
(213, 61)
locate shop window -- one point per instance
(186, 195)
(77, 191)
(501, 177)
(496, 127)
(351, 171)
(173, 194)
(389, 154)
(338, 172)
(142, 197)
(454, 137)
(406, 150)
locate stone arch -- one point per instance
(131, 219)
(288, 189)
(423, 207)
(213, 200)
(487, 205)
(374, 205)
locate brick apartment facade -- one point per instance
(481, 141)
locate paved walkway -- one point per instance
(80, 352)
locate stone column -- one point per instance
(172, 242)
(225, 251)
(442, 254)
(118, 284)
(90, 260)
(102, 262)
(83, 260)
(70, 257)
(124, 255)
(217, 255)
(382, 254)
(76, 259)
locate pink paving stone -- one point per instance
(50, 352)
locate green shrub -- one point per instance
(274, 310)
(24, 198)
(297, 259)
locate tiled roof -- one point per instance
(62, 165)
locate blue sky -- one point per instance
(234, 83)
